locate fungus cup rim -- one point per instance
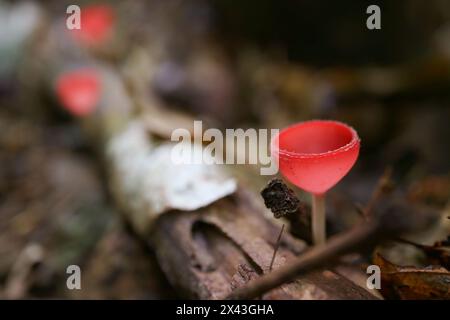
(355, 140)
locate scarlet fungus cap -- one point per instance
(97, 23)
(315, 155)
(79, 91)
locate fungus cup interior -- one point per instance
(315, 155)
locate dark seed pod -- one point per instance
(280, 199)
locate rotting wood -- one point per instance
(208, 253)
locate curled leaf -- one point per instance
(438, 253)
(398, 282)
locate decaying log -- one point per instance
(208, 253)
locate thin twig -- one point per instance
(317, 256)
(275, 250)
(360, 209)
(406, 241)
(384, 186)
(387, 222)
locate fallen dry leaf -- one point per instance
(398, 282)
(437, 254)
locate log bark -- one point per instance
(208, 253)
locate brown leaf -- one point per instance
(437, 254)
(398, 282)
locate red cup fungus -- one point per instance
(314, 156)
(97, 24)
(79, 91)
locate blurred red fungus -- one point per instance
(315, 155)
(79, 91)
(97, 23)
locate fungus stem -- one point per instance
(318, 219)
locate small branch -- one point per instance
(277, 245)
(360, 210)
(318, 256)
(384, 186)
(17, 282)
(390, 219)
